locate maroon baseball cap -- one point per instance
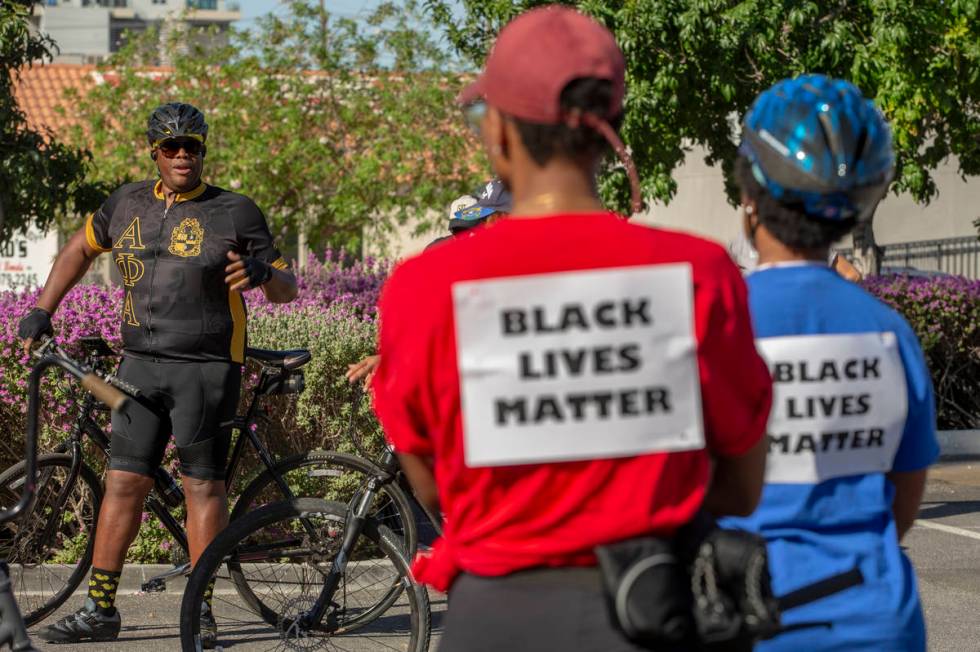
(538, 54)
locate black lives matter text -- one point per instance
(599, 361)
(832, 406)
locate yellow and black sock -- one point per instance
(102, 586)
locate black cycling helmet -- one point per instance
(176, 120)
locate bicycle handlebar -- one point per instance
(104, 391)
(114, 398)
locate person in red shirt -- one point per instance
(562, 379)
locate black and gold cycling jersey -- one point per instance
(172, 264)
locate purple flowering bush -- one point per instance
(944, 311)
(86, 310)
(336, 279)
(334, 317)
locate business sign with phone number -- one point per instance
(25, 260)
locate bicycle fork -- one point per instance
(357, 515)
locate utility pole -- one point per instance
(323, 27)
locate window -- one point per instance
(202, 4)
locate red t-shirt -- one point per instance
(500, 519)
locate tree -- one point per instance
(694, 67)
(328, 124)
(40, 178)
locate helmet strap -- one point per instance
(598, 124)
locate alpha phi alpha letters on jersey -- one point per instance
(185, 241)
(130, 267)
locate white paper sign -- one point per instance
(578, 365)
(25, 260)
(839, 405)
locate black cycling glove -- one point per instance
(258, 272)
(35, 324)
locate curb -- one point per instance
(958, 444)
(133, 576)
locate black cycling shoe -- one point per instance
(209, 628)
(86, 624)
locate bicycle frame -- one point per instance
(85, 424)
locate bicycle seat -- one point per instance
(287, 360)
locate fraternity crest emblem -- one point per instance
(187, 238)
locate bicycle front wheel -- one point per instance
(285, 551)
(49, 549)
(331, 475)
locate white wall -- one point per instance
(78, 30)
(700, 206)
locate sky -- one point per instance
(251, 9)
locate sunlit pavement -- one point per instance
(945, 548)
(151, 623)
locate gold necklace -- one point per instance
(544, 201)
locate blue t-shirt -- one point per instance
(818, 529)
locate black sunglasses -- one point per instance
(170, 148)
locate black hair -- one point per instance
(788, 222)
(544, 142)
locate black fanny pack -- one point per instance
(703, 589)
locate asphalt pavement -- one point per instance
(944, 546)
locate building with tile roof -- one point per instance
(88, 31)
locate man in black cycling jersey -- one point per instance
(185, 251)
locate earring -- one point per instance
(749, 210)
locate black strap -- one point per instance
(822, 589)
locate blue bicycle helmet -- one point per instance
(816, 141)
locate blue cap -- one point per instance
(492, 198)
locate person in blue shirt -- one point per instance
(852, 429)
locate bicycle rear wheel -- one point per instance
(49, 558)
(286, 566)
(331, 475)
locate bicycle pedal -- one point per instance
(154, 585)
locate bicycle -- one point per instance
(304, 558)
(399, 509)
(322, 532)
(62, 521)
(13, 629)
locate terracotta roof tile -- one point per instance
(41, 89)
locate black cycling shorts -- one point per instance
(195, 401)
